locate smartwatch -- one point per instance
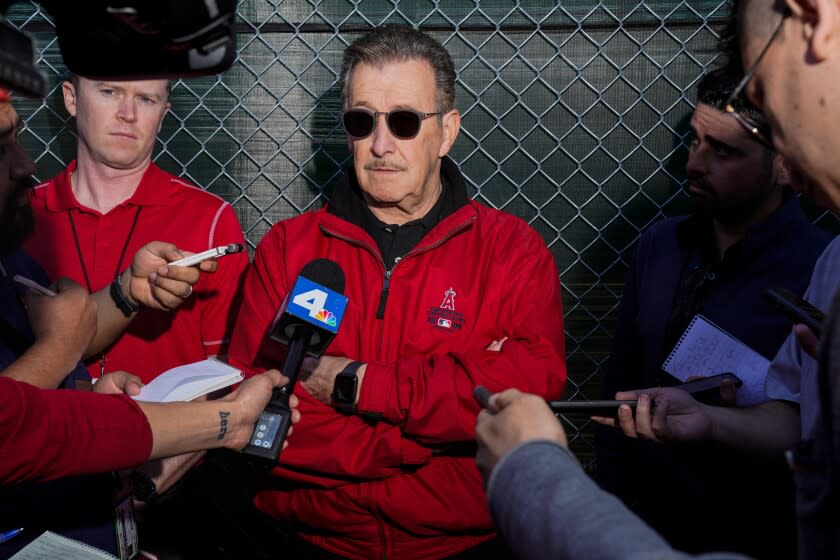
(344, 387)
(142, 487)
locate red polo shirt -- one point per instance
(171, 210)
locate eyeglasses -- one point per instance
(403, 123)
(728, 105)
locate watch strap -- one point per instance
(126, 307)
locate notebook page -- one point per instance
(705, 349)
(50, 546)
(186, 382)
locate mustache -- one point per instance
(700, 183)
(385, 164)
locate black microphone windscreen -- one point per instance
(326, 273)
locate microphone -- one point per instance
(307, 322)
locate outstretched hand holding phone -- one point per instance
(677, 416)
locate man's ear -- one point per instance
(781, 171)
(820, 20)
(68, 90)
(451, 123)
(801, 9)
(163, 116)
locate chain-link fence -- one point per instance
(574, 119)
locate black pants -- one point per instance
(209, 515)
(214, 518)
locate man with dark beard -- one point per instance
(747, 234)
(58, 346)
(15, 214)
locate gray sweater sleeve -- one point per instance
(546, 507)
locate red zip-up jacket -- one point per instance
(407, 486)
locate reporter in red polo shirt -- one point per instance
(110, 201)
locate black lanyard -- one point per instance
(84, 268)
(79, 247)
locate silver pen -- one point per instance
(32, 285)
(209, 254)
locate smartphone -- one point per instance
(209, 254)
(610, 407)
(797, 309)
(591, 408)
(711, 383)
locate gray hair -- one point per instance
(401, 43)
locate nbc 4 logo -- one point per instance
(326, 317)
(314, 302)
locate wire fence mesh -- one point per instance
(574, 118)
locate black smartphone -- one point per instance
(591, 408)
(796, 309)
(610, 407)
(711, 383)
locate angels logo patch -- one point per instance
(445, 317)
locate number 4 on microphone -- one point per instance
(311, 301)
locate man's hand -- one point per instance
(151, 282)
(117, 383)
(512, 418)
(247, 404)
(677, 416)
(496, 345)
(64, 323)
(318, 376)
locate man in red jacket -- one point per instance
(444, 294)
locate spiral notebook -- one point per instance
(705, 349)
(50, 546)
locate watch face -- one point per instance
(143, 487)
(345, 389)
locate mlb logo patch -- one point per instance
(445, 317)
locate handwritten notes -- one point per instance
(705, 349)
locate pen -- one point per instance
(10, 534)
(209, 254)
(32, 285)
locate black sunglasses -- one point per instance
(403, 123)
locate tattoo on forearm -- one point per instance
(223, 424)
